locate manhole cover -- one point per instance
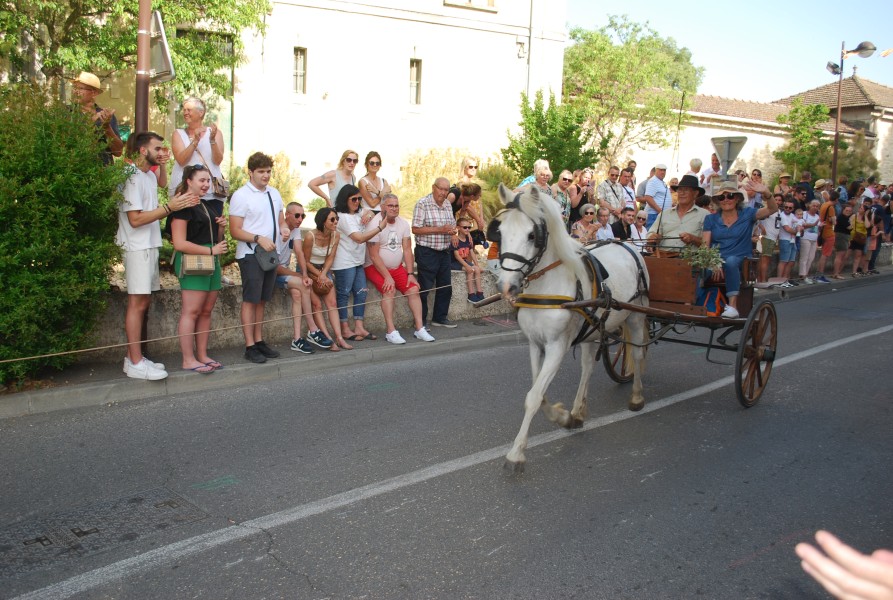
(34, 545)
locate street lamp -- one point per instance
(865, 49)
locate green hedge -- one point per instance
(58, 207)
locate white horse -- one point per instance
(538, 257)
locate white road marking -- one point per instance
(200, 543)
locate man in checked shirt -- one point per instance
(434, 226)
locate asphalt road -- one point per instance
(386, 481)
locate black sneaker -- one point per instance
(445, 323)
(266, 350)
(300, 345)
(254, 355)
(317, 337)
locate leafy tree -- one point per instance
(807, 148)
(557, 133)
(630, 82)
(856, 159)
(65, 37)
(58, 217)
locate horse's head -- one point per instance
(520, 230)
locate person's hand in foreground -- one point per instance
(845, 572)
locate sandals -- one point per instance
(341, 342)
(202, 369)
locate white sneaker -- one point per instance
(394, 337)
(422, 334)
(730, 312)
(128, 364)
(145, 370)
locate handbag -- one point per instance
(322, 289)
(268, 259)
(859, 238)
(199, 264)
(219, 185)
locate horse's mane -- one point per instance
(540, 206)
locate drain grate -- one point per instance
(34, 545)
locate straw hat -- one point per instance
(90, 80)
(728, 186)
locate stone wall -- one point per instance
(165, 312)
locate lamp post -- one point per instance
(865, 49)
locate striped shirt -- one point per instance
(428, 214)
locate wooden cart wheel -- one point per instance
(614, 358)
(756, 353)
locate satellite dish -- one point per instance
(728, 149)
(160, 64)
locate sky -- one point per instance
(760, 50)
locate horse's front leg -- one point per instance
(580, 411)
(554, 352)
(637, 330)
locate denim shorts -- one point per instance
(787, 251)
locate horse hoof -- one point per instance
(636, 406)
(574, 423)
(513, 468)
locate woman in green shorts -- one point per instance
(197, 230)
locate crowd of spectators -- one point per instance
(359, 236)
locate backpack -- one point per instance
(713, 300)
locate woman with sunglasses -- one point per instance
(730, 229)
(372, 187)
(586, 229)
(196, 144)
(197, 230)
(350, 276)
(336, 178)
(561, 191)
(637, 232)
(319, 249)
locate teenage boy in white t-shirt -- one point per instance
(256, 219)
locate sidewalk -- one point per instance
(95, 383)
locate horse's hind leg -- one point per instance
(636, 330)
(515, 458)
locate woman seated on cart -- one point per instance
(730, 229)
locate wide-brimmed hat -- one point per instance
(820, 184)
(783, 175)
(728, 186)
(89, 79)
(689, 181)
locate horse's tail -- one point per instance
(627, 339)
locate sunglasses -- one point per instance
(299, 215)
(373, 163)
(332, 220)
(567, 179)
(471, 167)
(613, 174)
(641, 219)
(466, 227)
(589, 213)
(352, 161)
(727, 196)
(354, 199)
(198, 167)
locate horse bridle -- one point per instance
(540, 237)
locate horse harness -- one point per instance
(596, 271)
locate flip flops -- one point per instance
(214, 365)
(202, 370)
